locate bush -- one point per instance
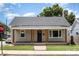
(72, 40)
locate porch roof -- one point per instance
(40, 27)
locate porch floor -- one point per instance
(38, 43)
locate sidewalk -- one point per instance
(40, 53)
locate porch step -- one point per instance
(57, 43)
(40, 44)
(40, 47)
(49, 43)
(54, 43)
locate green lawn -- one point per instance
(63, 47)
(49, 47)
(19, 47)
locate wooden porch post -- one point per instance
(46, 36)
(13, 39)
(65, 35)
(32, 36)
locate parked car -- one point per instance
(6, 36)
(8, 40)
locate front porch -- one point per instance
(43, 36)
(43, 43)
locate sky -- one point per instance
(9, 10)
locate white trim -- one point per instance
(39, 27)
(52, 34)
(55, 37)
(20, 33)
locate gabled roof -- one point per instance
(74, 24)
(40, 21)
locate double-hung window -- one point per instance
(54, 33)
(22, 34)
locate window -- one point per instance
(55, 33)
(22, 33)
(50, 33)
(59, 33)
(76, 33)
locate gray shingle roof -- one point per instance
(39, 21)
(74, 23)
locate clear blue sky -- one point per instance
(9, 10)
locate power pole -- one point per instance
(6, 29)
(1, 46)
(1, 37)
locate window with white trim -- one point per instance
(22, 33)
(54, 33)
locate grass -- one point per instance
(18, 47)
(49, 47)
(63, 47)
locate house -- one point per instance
(75, 31)
(75, 27)
(39, 30)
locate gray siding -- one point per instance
(22, 39)
(27, 37)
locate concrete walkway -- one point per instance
(40, 53)
(40, 48)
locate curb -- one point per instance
(40, 55)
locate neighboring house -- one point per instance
(75, 31)
(39, 30)
(75, 27)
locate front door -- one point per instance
(39, 36)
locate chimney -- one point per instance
(62, 13)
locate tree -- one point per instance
(46, 12)
(69, 16)
(57, 10)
